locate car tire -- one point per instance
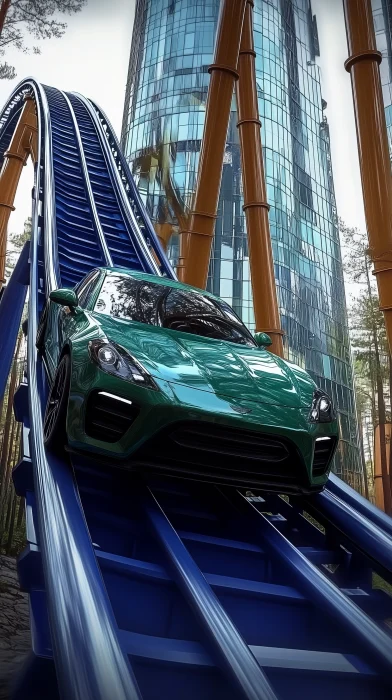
(40, 340)
(54, 428)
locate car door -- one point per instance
(63, 323)
(70, 323)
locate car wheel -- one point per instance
(55, 434)
(41, 329)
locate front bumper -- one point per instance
(157, 415)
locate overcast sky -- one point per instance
(92, 58)
(336, 86)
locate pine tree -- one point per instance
(16, 242)
(39, 18)
(369, 341)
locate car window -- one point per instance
(118, 297)
(86, 288)
(182, 310)
(191, 312)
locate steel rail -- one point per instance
(90, 663)
(229, 648)
(90, 194)
(119, 187)
(135, 192)
(362, 532)
(317, 587)
(362, 505)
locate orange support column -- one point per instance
(197, 239)
(255, 198)
(23, 143)
(373, 149)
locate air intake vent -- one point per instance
(323, 451)
(219, 454)
(108, 417)
(227, 443)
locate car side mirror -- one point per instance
(65, 297)
(263, 340)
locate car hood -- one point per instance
(220, 367)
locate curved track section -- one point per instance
(152, 588)
(134, 198)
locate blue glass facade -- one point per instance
(382, 16)
(172, 48)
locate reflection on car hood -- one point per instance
(216, 366)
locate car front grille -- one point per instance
(225, 455)
(323, 451)
(108, 417)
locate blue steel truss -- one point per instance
(157, 588)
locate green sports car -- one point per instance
(153, 374)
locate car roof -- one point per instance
(164, 281)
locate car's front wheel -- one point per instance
(55, 434)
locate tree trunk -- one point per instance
(20, 513)
(364, 471)
(369, 439)
(383, 451)
(5, 480)
(7, 520)
(381, 408)
(4, 7)
(11, 441)
(16, 443)
(373, 402)
(9, 493)
(14, 449)
(11, 526)
(7, 432)
(12, 456)
(7, 425)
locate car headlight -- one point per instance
(113, 359)
(322, 410)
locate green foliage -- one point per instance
(39, 18)
(16, 242)
(368, 340)
(365, 319)
(381, 584)
(18, 541)
(12, 528)
(356, 258)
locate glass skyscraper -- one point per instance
(172, 47)
(382, 16)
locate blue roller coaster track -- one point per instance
(169, 589)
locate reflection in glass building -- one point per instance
(382, 16)
(172, 47)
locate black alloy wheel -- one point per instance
(55, 435)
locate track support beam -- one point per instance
(373, 149)
(265, 302)
(228, 647)
(197, 239)
(23, 144)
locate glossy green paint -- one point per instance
(198, 378)
(262, 339)
(65, 297)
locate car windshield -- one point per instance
(179, 309)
